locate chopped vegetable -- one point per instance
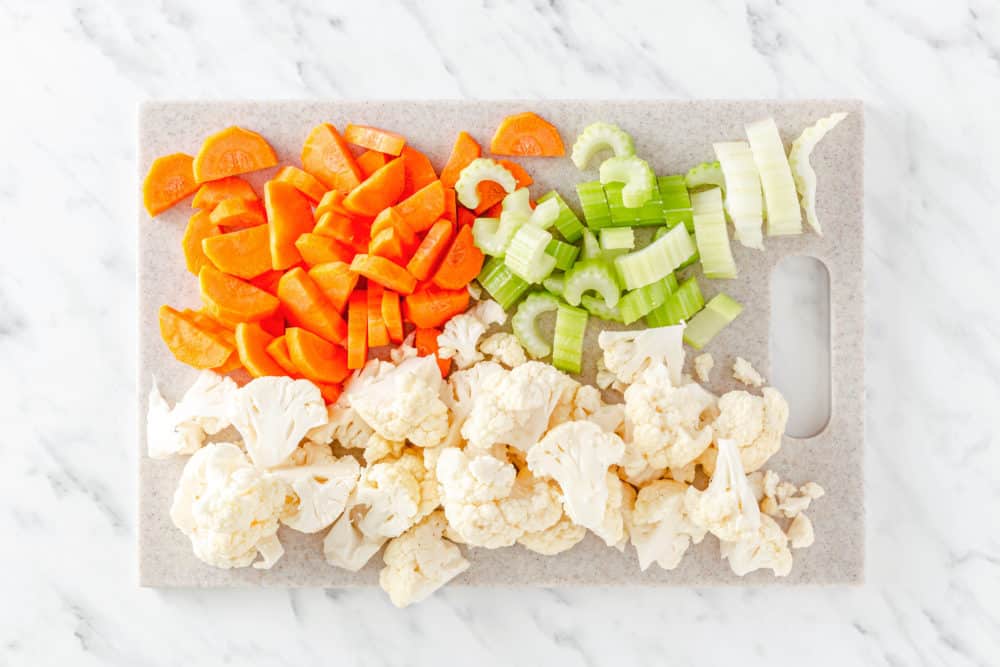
(426, 342)
(199, 228)
(190, 344)
(706, 174)
(743, 197)
(378, 334)
(478, 171)
(230, 152)
(802, 171)
(431, 307)
(169, 180)
(315, 249)
(526, 256)
(566, 222)
(492, 236)
(463, 152)
(650, 213)
(351, 231)
(385, 273)
(591, 275)
(374, 139)
(419, 170)
(305, 306)
(591, 247)
(213, 192)
(567, 343)
(501, 284)
(424, 207)
(450, 205)
(596, 307)
(278, 349)
(333, 200)
(326, 156)
(527, 134)
(657, 260)
(392, 316)
(594, 203)
(780, 200)
(461, 264)
(302, 181)
(676, 201)
(378, 191)
(232, 300)
(597, 137)
(245, 253)
(524, 325)
(289, 215)
(237, 212)
(371, 161)
(317, 359)
(635, 173)
(357, 330)
(620, 238)
(680, 306)
(712, 234)
(639, 302)
(433, 246)
(564, 253)
(492, 193)
(336, 280)
(251, 344)
(713, 318)
(555, 284)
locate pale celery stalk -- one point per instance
(802, 171)
(780, 201)
(712, 235)
(744, 202)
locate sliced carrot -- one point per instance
(331, 201)
(378, 335)
(232, 300)
(527, 134)
(370, 161)
(268, 281)
(278, 349)
(392, 315)
(357, 330)
(386, 243)
(204, 319)
(378, 191)
(251, 343)
(491, 194)
(462, 263)
(450, 205)
(302, 181)
(390, 217)
(233, 363)
(493, 212)
(211, 193)
(190, 344)
(419, 170)
(432, 307)
(245, 253)
(236, 212)
(326, 156)
(317, 359)
(330, 391)
(374, 139)
(199, 228)
(463, 152)
(232, 151)
(290, 216)
(336, 280)
(170, 179)
(424, 207)
(431, 249)
(349, 230)
(305, 306)
(426, 342)
(385, 273)
(317, 249)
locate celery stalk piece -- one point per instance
(501, 284)
(743, 198)
(526, 256)
(706, 174)
(545, 214)
(680, 306)
(662, 231)
(649, 214)
(492, 236)
(594, 204)
(567, 223)
(617, 238)
(780, 200)
(555, 284)
(518, 203)
(564, 253)
(567, 343)
(657, 260)
(635, 173)
(639, 302)
(802, 171)
(675, 201)
(595, 306)
(479, 170)
(713, 318)
(597, 137)
(591, 248)
(712, 235)
(591, 275)
(524, 325)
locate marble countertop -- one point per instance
(73, 74)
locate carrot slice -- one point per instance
(386, 243)
(357, 330)
(199, 228)
(385, 273)
(317, 249)
(450, 205)
(527, 134)
(374, 139)
(205, 320)
(232, 151)
(426, 342)
(424, 207)
(431, 248)
(170, 179)
(245, 253)
(491, 194)
(336, 280)
(274, 324)
(236, 212)
(233, 363)
(317, 359)
(370, 161)
(378, 334)
(466, 217)
(251, 343)
(379, 190)
(419, 170)
(432, 307)
(211, 193)
(278, 349)
(191, 344)
(268, 281)
(392, 315)
(306, 307)
(493, 212)
(351, 231)
(326, 156)
(462, 263)
(390, 217)
(290, 216)
(463, 152)
(232, 300)
(331, 201)
(329, 391)
(302, 181)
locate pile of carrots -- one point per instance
(342, 255)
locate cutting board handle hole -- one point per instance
(800, 342)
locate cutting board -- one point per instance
(672, 136)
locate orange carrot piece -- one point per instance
(306, 307)
(432, 307)
(317, 249)
(493, 212)
(232, 151)
(426, 342)
(349, 230)
(386, 273)
(191, 344)
(491, 194)
(461, 264)
(392, 315)
(326, 156)
(419, 170)
(302, 181)
(378, 191)
(251, 343)
(274, 325)
(370, 161)
(466, 217)
(233, 363)
(357, 330)
(463, 152)
(211, 193)
(232, 300)
(331, 201)
(527, 134)
(374, 139)
(268, 281)
(236, 212)
(205, 320)
(386, 243)
(330, 391)
(245, 253)
(278, 349)
(199, 228)
(450, 205)
(390, 217)
(431, 249)
(317, 359)
(336, 280)
(170, 179)
(424, 207)
(290, 216)
(378, 334)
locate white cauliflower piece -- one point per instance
(404, 403)
(756, 423)
(203, 410)
(561, 536)
(405, 350)
(398, 493)
(419, 562)
(684, 474)
(800, 532)
(311, 453)
(460, 392)
(318, 493)
(504, 348)
(613, 527)
(703, 365)
(461, 333)
(344, 426)
(660, 528)
(378, 448)
(583, 402)
(745, 373)
(273, 414)
(628, 353)
(229, 509)
(764, 547)
(727, 507)
(345, 546)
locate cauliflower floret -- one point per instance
(405, 350)
(503, 348)
(344, 427)
(273, 414)
(228, 509)
(460, 392)
(461, 333)
(782, 498)
(583, 402)
(664, 425)
(660, 528)
(345, 546)
(745, 373)
(398, 494)
(684, 474)
(318, 493)
(764, 547)
(727, 507)
(203, 410)
(613, 527)
(800, 532)
(561, 536)
(756, 423)
(404, 403)
(703, 365)
(311, 453)
(419, 562)
(378, 448)
(628, 353)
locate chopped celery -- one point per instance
(479, 170)
(802, 171)
(597, 137)
(680, 306)
(564, 253)
(635, 173)
(502, 285)
(567, 223)
(555, 284)
(780, 201)
(713, 318)
(712, 235)
(518, 203)
(657, 260)
(594, 204)
(675, 201)
(595, 306)
(545, 214)
(526, 256)
(617, 238)
(661, 232)
(591, 275)
(639, 302)
(523, 322)
(492, 236)
(649, 214)
(567, 343)
(591, 248)
(705, 174)
(743, 198)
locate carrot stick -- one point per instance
(378, 191)
(211, 193)
(302, 181)
(426, 342)
(419, 170)
(199, 228)
(237, 212)
(357, 330)
(432, 307)
(370, 161)
(331, 201)
(232, 151)
(527, 134)
(378, 335)
(326, 156)
(170, 179)
(232, 300)
(278, 349)
(306, 307)
(374, 139)
(290, 215)
(385, 273)
(392, 315)
(463, 152)
(317, 359)
(431, 248)
(462, 263)
(351, 231)
(245, 253)
(251, 343)
(316, 249)
(191, 344)
(424, 207)
(336, 280)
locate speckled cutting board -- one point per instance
(673, 136)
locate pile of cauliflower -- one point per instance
(504, 451)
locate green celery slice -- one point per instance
(675, 201)
(545, 214)
(649, 214)
(594, 204)
(524, 325)
(680, 306)
(802, 171)
(479, 170)
(501, 284)
(591, 275)
(635, 173)
(662, 231)
(596, 307)
(705, 174)
(567, 343)
(657, 260)
(713, 318)
(526, 256)
(493, 235)
(712, 234)
(555, 284)
(564, 253)
(597, 137)
(639, 302)
(780, 200)
(617, 238)
(591, 248)
(744, 201)
(567, 223)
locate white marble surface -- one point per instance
(72, 74)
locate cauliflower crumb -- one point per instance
(703, 365)
(800, 532)
(745, 373)
(503, 348)
(419, 562)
